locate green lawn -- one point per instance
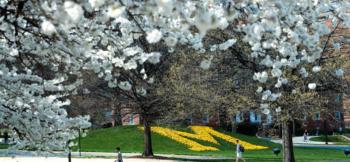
(3, 146)
(130, 139)
(335, 139)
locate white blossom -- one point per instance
(278, 109)
(170, 41)
(96, 3)
(259, 90)
(266, 94)
(303, 72)
(115, 10)
(125, 85)
(267, 61)
(14, 52)
(154, 36)
(266, 111)
(48, 28)
(154, 57)
(275, 72)
(316, 69)
(311, 86)
(227, 44)
(86, 91)
(205, 64)
(150, 80)
(274, 96)
(264, 106)
(339, 72)
(261, 76)
(141, 91)
(74, 10)
(131, 64)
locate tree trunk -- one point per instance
(293, 128)
(234, 127)
(280, 131)
(148, 151)
(116, 117)
(113, 118)
(223, 119)
(116, 112)
(288, 152)
(325, 131)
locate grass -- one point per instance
(334, 139)
(130, 139)
(3, 146)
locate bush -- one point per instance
(247, 128)
(107, 125)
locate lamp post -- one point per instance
(325, 131)
(276, 151)
(347, 151)
(79, 142)
(69, 151)
(69, 156)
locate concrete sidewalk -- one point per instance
(300, 141)
(27, 154)
(60, 159)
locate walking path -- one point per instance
(300, 141)
(60, 159)
(29, 156)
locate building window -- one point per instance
(269, 119)
(189, 119)
(258, 118)
(305, 117)
(108, 114)
(238, 117)
(318, 116)
(205, 118)
(337, 98)
(131, 119)
(252, 116)
(337, 115)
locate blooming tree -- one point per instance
(36, 76)
(64, 37)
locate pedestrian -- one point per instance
(119, 155)
(6, 138)
(239, 151)
(305, 135)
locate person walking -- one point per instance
(239, 151)
(119, 155)
(305, 135)
(6, 137)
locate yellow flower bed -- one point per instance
(203, 133)
(246, 145)
(199, 134)
(177, 137)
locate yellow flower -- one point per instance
(246, 145)
(177, 137)
(203, 133)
